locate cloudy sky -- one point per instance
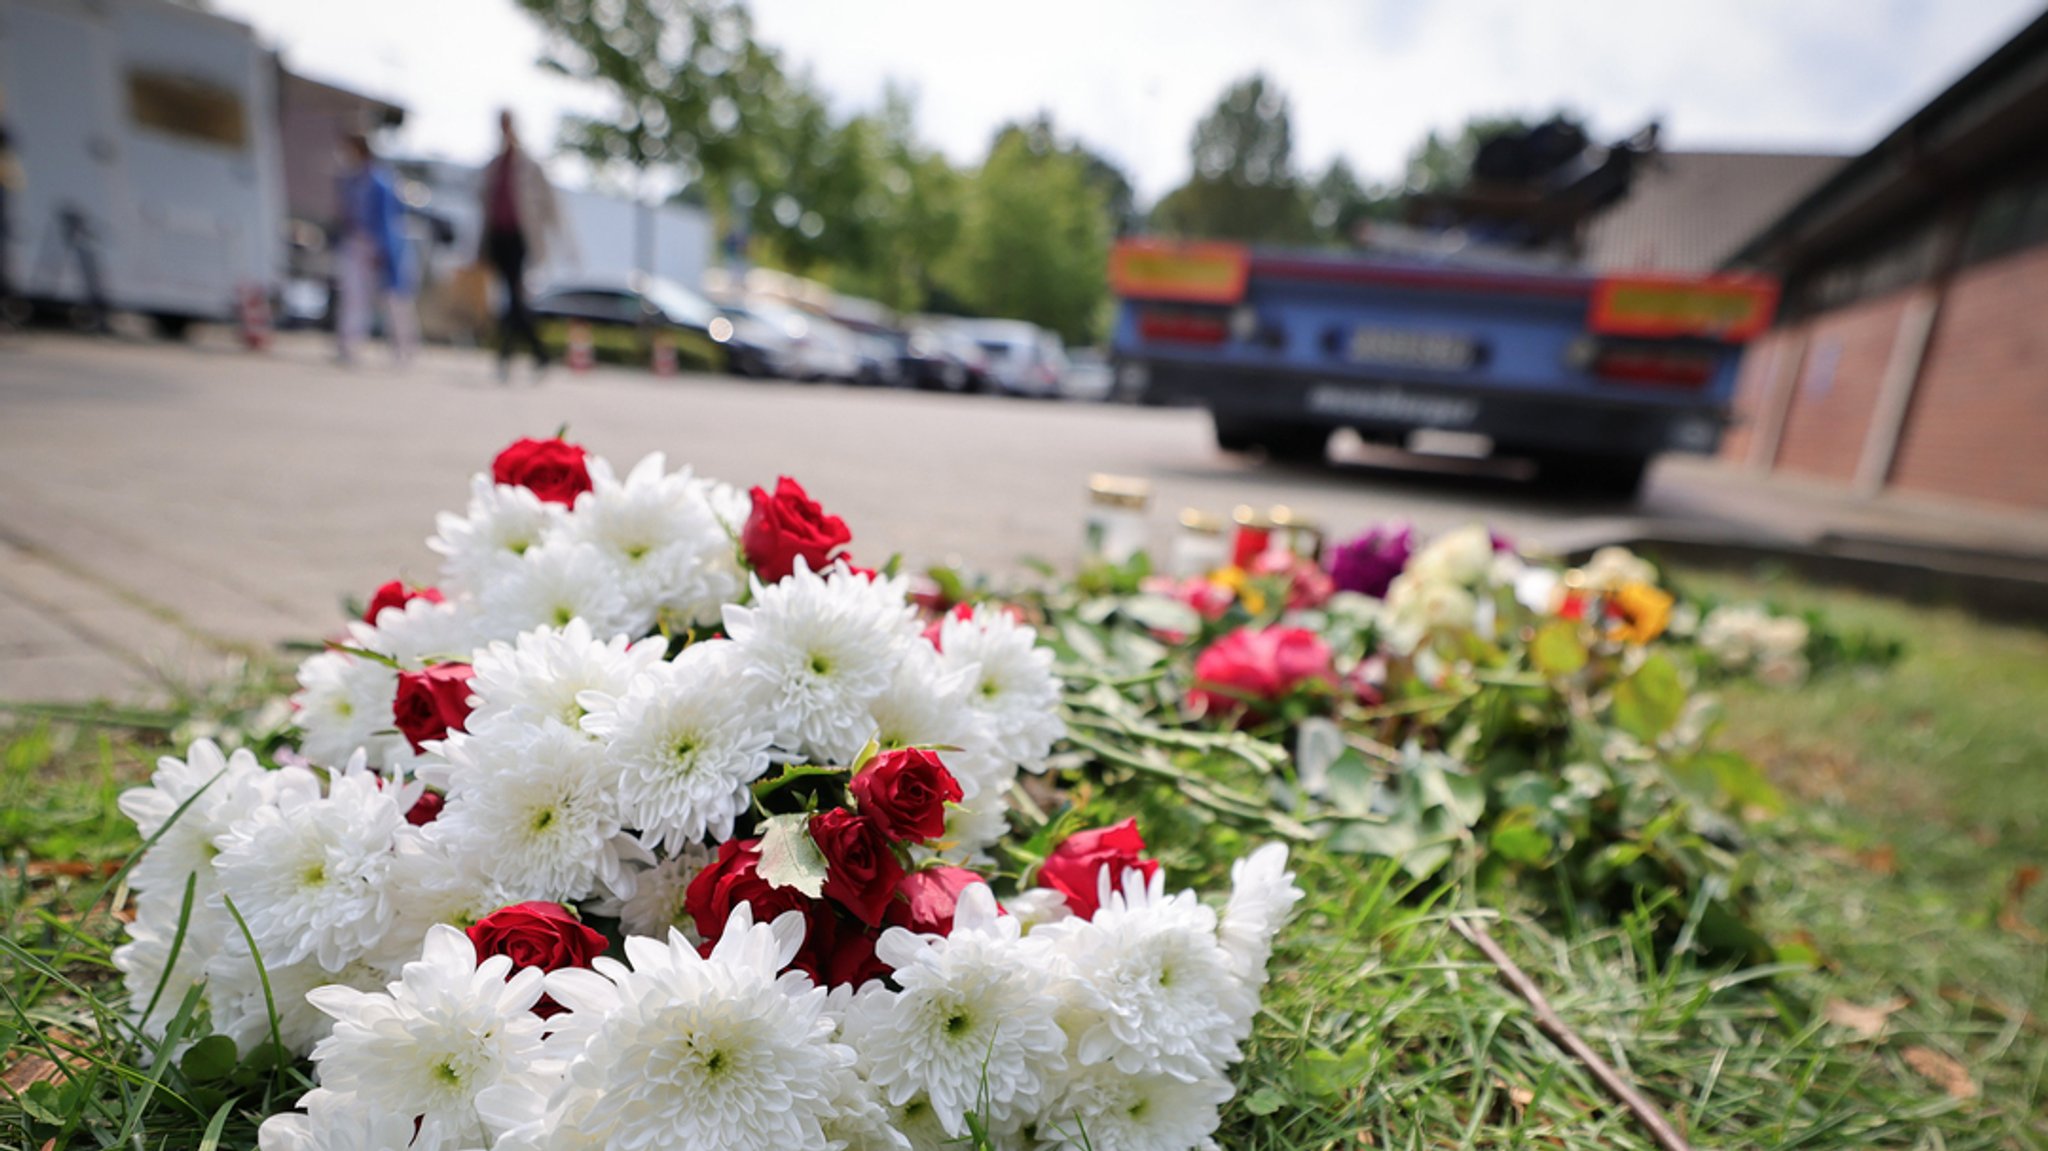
(1367, 77)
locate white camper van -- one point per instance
(147, 138)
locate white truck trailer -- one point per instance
(147, 137)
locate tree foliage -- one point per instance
(1034, 239)
(1244, 186)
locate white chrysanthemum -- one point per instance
(1015, 694)
(815, 652)
(1167, 996)
(975, 1011)
(430, 884)
(215, 791)
(682, 1051)
(658, 892)
(157, 977)
(926, 705)
(332, 1122)
(971, 829)
(310, 878)
(420, 631)
(553, 584)
(344, 705)
(663, 542)
(1037, 905)
(1105, 1109)
(241, 1007)
(448, 1029)
(1461, 558)
(1417, 608)
(535, 679)
(536, 816)
(1612, 567)
(679, 754)
(503, 523)
(1262, 894)
(856, 1120)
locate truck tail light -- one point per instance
(1207, 273)
(1173, 326)
(1658, 367)
(1732, 308)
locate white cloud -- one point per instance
(1131, 76)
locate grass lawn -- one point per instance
(1910, 1009)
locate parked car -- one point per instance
(819, 349)
(936, 359)
(1023, 359)
(1088, 376)
(760, 347)
(626, 314)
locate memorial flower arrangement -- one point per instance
(659, 822)
(1449, 702)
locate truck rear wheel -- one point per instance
(1296, 443)
(1616, 477)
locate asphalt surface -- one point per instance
(163, 505)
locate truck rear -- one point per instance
(1591, 376)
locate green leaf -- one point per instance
(1742, 781)
(789, 858)
(1557, 650)
(1325, 1073)
(211, 1058)
(1389, 838)
(1158, 613)
(1264, 1101)
(793, 775)
(43, 1102)
(1461, 796)
(1647, 703)
(1351, 785)
(1517, 839)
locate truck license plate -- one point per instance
(1392, 405)
(1406, 348)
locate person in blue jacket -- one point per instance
(372, 259)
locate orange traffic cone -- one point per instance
(664, 354)
(253, 314)
(581, 354)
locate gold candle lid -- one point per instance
(1250, 517)
(1197, 520)
(1119, 491)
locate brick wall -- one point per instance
(1978, 427)
(1837, 385)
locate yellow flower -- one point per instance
(1640, 613)
(1240, 582)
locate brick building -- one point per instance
(1911, 351)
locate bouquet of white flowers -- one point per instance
(657, 825)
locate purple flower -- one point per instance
(1369, 563)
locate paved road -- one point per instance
(163, 505)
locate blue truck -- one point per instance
(1590, 376)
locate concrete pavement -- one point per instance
(165, 509)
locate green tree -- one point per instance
(1034, 240)
(1244, 186)
(1339, 202)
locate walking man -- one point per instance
(519, 214)
(373, 261)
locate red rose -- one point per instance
(426, 809)
(861, 869)
(432, 703)
(396, 594)
(927, 899)
(538, 934)
(786, 525)
(905, 792)
(1258, 666)
(554, 470)
(732, 879)
(841, 952)
(1074, 868)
